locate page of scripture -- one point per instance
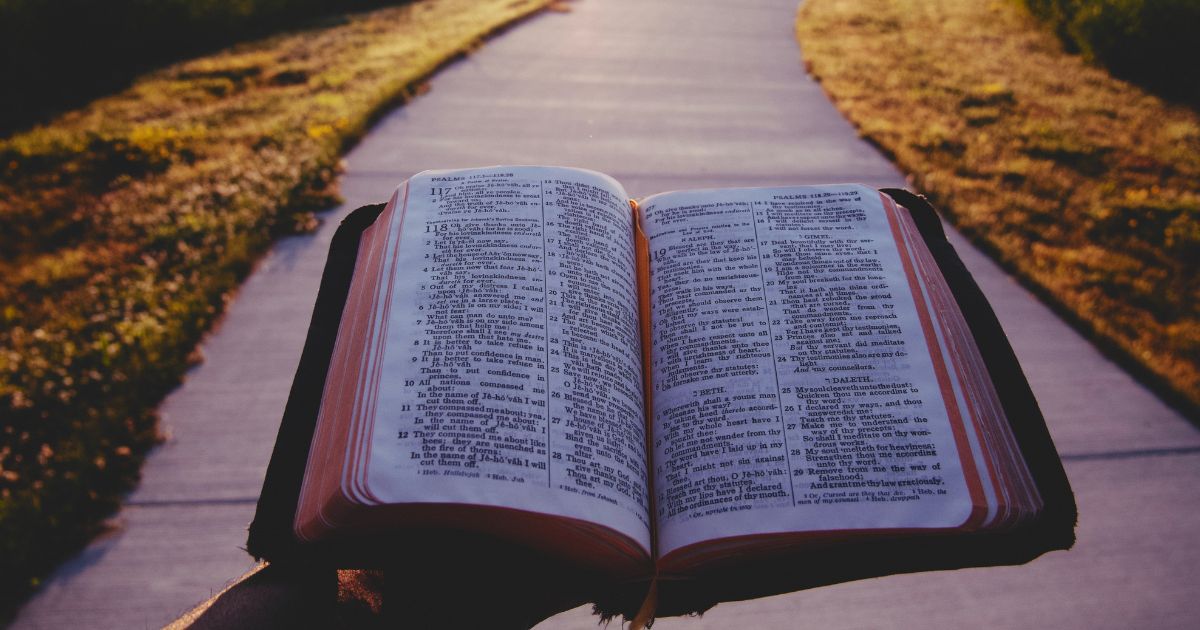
(511, 350)
(795, 389)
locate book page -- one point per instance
(511, 370)
(794, 387)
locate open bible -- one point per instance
(670, 389)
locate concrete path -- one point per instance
(662, 95)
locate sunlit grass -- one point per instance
(124, 224)
(1084, 185)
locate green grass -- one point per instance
(125, 224)
(57, 52)
(1152, 42)
(1084, 185)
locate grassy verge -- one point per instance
(44, 73)
(1150, 42)
(124, 224)
(1083, 185)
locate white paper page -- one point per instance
(511, 373)
(794, 388)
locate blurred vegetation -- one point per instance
(55, 54)
(125, 224)
(1082, 184)
(1152, 42)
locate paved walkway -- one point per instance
(664, 94)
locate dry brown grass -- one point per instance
(1084, 185)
